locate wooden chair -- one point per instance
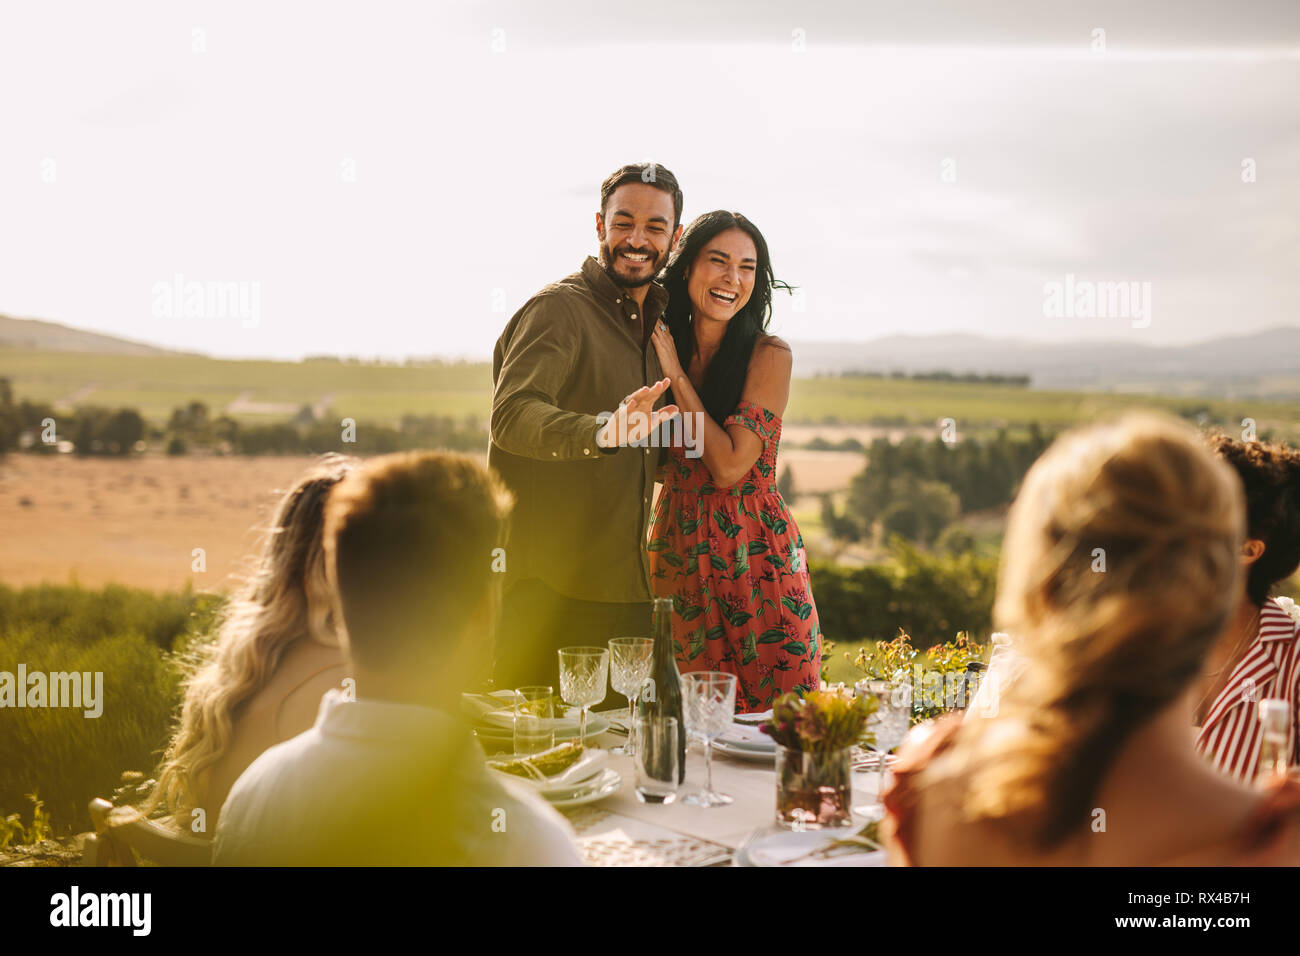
(121, 830)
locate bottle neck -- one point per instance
(661, 629)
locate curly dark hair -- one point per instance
(1270, 473)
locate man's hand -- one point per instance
(636, 416)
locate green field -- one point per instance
(383, 393)
(155, 385)
(889, 401)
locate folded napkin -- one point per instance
(753, 720)
(587, 767)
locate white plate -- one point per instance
(740, 737)
(745, 753)
(596, 724)
(772, 847)
(618, 719)
(609, 783)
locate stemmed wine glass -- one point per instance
(584, 675)
(889, 723)
(630, 661)
(709, 706)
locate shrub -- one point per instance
(66, 757)
(129, 635)
(931, 596)
(80, 616)
(785, 484)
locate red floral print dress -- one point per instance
(733, 562)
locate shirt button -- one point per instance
(618, 301)
(554, 454)
(586, 451)
(634, 316)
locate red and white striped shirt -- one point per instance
(1230, 736)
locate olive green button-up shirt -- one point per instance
(575, 349)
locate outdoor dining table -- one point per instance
(622, 831)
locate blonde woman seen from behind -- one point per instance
(275, 654)
(1119, 573)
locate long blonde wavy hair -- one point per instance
(285, 598)
(1119, 570)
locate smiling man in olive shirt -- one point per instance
(577, 572)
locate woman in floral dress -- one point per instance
(723, 544)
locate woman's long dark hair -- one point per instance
(725, 377)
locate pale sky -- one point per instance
(215, 140)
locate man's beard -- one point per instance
(607, 259)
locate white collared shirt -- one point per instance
(380, 783)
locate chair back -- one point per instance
(123, 833)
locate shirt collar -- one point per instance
(1275, 624)
(598, 280)
(1258, 665)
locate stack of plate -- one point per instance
(745, 741)
(495, 729)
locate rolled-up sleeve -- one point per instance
(535, 362)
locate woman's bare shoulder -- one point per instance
(772, 357)
(772, 342)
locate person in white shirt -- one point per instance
(388, 775)
(1005, 665)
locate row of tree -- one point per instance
(193, 427)
(965, 378)
(94, 430)
(918, 488)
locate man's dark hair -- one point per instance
(652, 174)
(408, 546)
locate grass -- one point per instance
(906, 402)
(837, 667)
(157, 384)
(133, 637)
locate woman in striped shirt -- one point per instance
(1087, 759)
(1259, 654)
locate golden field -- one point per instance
(137, 521)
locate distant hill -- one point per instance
(53, 337)
(1262, 364)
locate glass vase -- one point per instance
(814, 789)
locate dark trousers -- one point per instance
(537, 621)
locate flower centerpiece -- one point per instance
(815, 735)
(940, 679)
